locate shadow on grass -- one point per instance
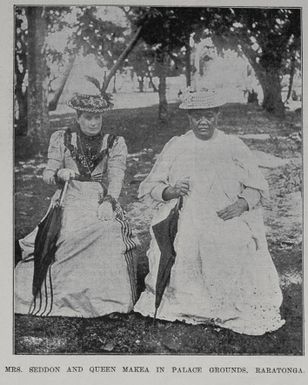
(131, 333)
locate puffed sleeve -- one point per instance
(158, 179)
(116, 167)
(255, 186)
(55, 156)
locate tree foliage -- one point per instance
(32, 26)
(104, 39)
(168, 31)
(88, 33)
(270, 38)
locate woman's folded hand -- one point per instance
(49, 177)
(180, 188)
(234, 210)
(105, 211)
(65, 174)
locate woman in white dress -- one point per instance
(94, 269)
(223, 272)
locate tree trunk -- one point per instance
(38, 119)
(151, 82)
(141, 83)
(188, 65)
(114, 83)
(292, 73)
(121, 58)
(21, 100)
(162, 63)
(272, 101)
(21, 122)
(20, 61)
(53, 102)
(269, 81)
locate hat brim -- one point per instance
(89, 103)
(89, 109)
(196, 106)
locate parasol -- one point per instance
(46, 242)
(165, 233)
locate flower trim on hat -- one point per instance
(90, 103)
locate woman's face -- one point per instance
(203, 122)
(90, 122)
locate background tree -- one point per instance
(67, 64)
(268, 38)
(292, 58)
(141, 60)
(20, 66)
(169, 30)
(88, 33)
(32, 25)
(37, 110)
(60, 19)
(109, 42)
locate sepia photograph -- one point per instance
(158, 180)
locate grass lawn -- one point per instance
(131, 333)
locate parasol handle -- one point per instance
(179, 203)
(63, 192)
(155, 314)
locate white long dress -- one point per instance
(94, 272)
(223, 271)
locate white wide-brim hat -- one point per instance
(202, 100)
